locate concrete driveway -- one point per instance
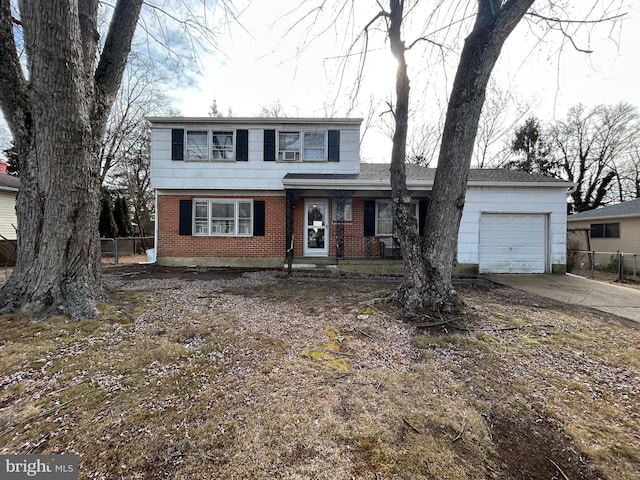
(606, 297)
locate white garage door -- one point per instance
(513, 243)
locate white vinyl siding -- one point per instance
(8, 215)
(254, 174)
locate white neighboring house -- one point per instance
(247, 191)
(8, 191)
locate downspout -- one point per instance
(155, 224)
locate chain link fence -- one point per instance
(608, 266)
(122, 248)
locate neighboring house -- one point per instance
(614, 228)
(8, 191)
(243, 191)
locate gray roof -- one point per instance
(624, 209)
(9, 182)
(378, 173)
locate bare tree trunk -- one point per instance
(410, 292)
(429, 263)
(493, 25)
(58, 264)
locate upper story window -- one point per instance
(222, 145)
(209, 145)
(605, 230)
(197, 145)
(308, 146)
(289, 146)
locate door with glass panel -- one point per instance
(316, 229)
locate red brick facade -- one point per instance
(172, 244)
(272, 244)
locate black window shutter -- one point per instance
(334, 146)
(423, 206)
(269, 145)
(258, 218)
(177, 144)
(185, 218)
(369, 218)
(242, 145)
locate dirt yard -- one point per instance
(230, 374)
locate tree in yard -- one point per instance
(494, 123)
(275, 110)
(140, 96)
(57, 113)
(591, 147)
(533, 150)
(107, 227)
(58, 117)
(429, 259)
(122, 216)
(133, 179)
(213, 110)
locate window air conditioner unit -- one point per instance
(289, 156)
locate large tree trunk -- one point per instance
(493, 25)
(429, 264)
(58, 123)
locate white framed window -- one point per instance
(314, 146)
(308, 146)
(289, 146)
(385, 225)
(223, 217)
(348, 211)
(209, 145)
(222, 145)
(196, 145)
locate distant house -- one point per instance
(614, 228)
(245, 191)
(8, 191)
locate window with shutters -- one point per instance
(210, 145)
(223, 217)
(222, 146)
(385, 224)
(307, 146)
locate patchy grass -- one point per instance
(255, 376)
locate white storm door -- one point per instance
(316, 229)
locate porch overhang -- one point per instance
(298, 181)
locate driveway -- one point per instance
(606, 297)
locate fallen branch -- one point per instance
(410, 425)
(559, 470)
(459, 435)
(505, 329)
(41, 415)
(438, 323)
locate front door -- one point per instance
(316, 229)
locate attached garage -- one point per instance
(513, 243)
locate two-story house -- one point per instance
(252, 191)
